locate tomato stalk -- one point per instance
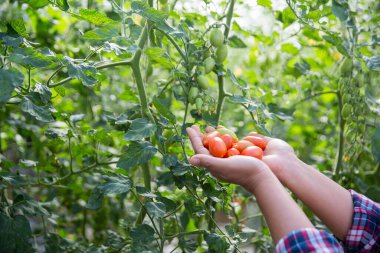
(339, 155)
(222, 94)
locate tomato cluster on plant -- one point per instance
(223, 143)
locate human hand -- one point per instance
(278, 156)
(246, 171)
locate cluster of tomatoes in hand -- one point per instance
(223, 143)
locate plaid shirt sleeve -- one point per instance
(308, 240)
(364, 235)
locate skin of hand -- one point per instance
(243, 170)
(281, 212)
(327, 199)
(239, 169)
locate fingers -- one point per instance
(208, 161)
(197, 130)
(266, 138)
(196, 141)
(210, 129)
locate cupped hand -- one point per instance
(243, 170)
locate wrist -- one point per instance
(291, 168)
(263, 179)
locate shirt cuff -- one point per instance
(308, 240)
(364, 234)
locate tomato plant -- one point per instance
(95, 97)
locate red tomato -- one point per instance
(228, 140)
(217, 147)
(242, 144)
(258, 141)
(207, 137)
(232, 152)
(253, 151)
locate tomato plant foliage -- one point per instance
(95, 97)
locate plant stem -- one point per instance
(29, 79)
(181, 234)
(229, 18)
(316, 95)
(221, 96)
(339, 156)
(175, 44)
(222, 93)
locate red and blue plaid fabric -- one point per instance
(309, 240)
(364, 235)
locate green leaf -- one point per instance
(156, 209)
(28, 206)
(372, 62)
(157, 55)
(140, 129)
(142, 233)
(82, 71)
(287, 17)
(215, 243)
(289, 48)
(62, 4)
(138, 153)
(236, 42)
(19, 26)
(32, 57)
(181, 169)
(117, 184)
(237, 99)
(164, 110)
(11, 40)
(340, 10)
(102, 34)
(95, 17)
(37, 3)
(15, 234)
(376, 145)
(41, 113)
(151, 14)
(240, 83)
(9, 80)
(147, 12)
(55, 243)
(265, 3)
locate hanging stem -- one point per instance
(222, 94)
(339, 156)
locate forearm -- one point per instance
(281, 212)
(327, 199)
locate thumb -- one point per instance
(204, 160)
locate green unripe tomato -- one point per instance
(346, 98)
(216, 37)
(198, 103)
(362, 128)
(202, 81)
(206, 53)
(346, 111)
(209, 64)
(193, 93)
(149, 70)
(346, 67)
(178, 90)
(201, 70)
(221, 54)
